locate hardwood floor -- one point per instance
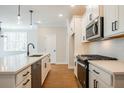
(60, 77)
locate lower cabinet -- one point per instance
(75, 69)
(46, 66)
(99, 78)
(95, 82)
(26, 83)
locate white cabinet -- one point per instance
(20, 80)
(72, 25)
(23, 75)
(113, 20)
(84, 24)
(75, 69)
(26, 83)
(99, 78)
(46, 66)
(95, 82)
(23, 79)
(93, 11)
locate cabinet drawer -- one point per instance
(104, 76)
(26, 83)
(23, 75)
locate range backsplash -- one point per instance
(113, 48)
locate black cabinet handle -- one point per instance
(90, 17)
(94, 83)
(26, 82)
(45, 65)
(112, 26)
(96, 72)
(116, 25)
(26, 74)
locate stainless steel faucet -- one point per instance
(28, 48)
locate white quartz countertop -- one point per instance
(112, 67)
(15, 63)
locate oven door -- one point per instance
(82, 75)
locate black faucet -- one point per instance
(28, 48)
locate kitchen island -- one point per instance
(16, 70)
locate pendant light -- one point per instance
(31, 11)
(1, 34)
(19, 16)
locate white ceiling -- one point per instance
(47, 14)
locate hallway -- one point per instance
(60, 77)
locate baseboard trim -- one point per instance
(60, 63)
(70, 67)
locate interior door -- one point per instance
(51, 47)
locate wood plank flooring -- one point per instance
(60, 77)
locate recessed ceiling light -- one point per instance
(72, 5)
(60, 15)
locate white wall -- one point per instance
(113, 48)
(60, 41)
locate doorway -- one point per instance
(51, 47)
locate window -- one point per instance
(15, 41)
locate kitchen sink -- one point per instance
(35, 55)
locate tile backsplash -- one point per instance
(112, 48)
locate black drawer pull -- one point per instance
(96, 72)
(112, 26)
(26, 82)
(116, 25)
(25, 74)
(94, 83)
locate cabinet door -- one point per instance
(72, 25)
(43, 71)
(120, 22)
(92, 80)
(110, 16)
(84, 24)
(95, 82)
(101, 84)
(75, 69)
(89, 14)
(95, 11)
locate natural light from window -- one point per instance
(15, 41)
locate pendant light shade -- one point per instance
(1, 34)
(0, 27)
(19, 16)
(31, 11)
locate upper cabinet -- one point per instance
(75, 24)
(84, 24)
(93, 11)
(113, 20)
(72, 26)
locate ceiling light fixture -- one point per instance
(31, 11)
(19, 17)
(1, 34)
(60, 15)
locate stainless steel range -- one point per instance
(83, 67)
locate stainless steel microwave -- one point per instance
(95, 29)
